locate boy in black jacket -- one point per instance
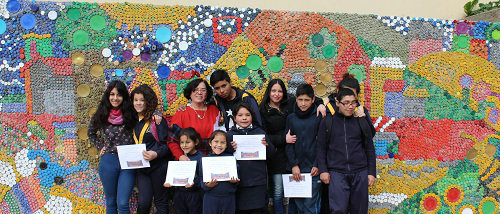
(301, 149)
(346, 157)
(227, 96)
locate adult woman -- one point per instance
(150, 180)
(198, 115)
(114, 121)
(274, 109)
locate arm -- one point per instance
(173, 143)
(322, 147)
(369, 147)
(270, 149)
(229, 148)
(255, 109)
(290, 148)
(162, 130)
(369, 120)
(93, 138)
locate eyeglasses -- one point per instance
(200, 90)
(354, 103)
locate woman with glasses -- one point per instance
(200, 115)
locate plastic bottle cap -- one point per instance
(253, 62)
(13, 6)
(163, 34)
(52, 15)
(73, 14)
(80, 37)
(163, 71)
(275, 64)
(3, 26)
(183, 45)
(136, 51)
(243, 72)
(106, 52)
(318, 40)
(97, 22)
(28, 21)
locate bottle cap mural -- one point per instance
(430, 85)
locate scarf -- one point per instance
(304, 114)
(115, 117)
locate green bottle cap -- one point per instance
(97, 22)
(275, 64)
(243, 72)
(328, 51)
(73, 14)
(318, 40)
(80, 37)
(253, 62)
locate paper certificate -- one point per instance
(249, 147)
(180, 173)
(220, 168)
(131, 157)
(294, 189)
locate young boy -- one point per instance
(301, 148)
(226, 96)
(346, 157)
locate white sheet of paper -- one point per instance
(220, 168)
(131, 156)
(180, 173)
(294, 189)
(250, 147)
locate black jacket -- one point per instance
(349, 149)
(305, 126)
(161, 148)
(254, 172)
(274, 123)
(225, 106)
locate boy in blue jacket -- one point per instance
(346, 157)
(301, 148)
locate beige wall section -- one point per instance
(442, 9)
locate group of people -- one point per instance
(331, 139)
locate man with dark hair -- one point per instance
(226, 96)
(302, 127)
(346, 156)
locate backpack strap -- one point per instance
(330, 108)
(154, 131)
(328, 124)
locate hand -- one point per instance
(188, 185)
(184, 158)
(167, 185)
(234, 145)
(321, 110)
(264, 141)
(211, 183)
(234, 180)
(149, 155)
(290, 138)
(359, 112)
(314, 171)
(296, 173)
(325, 177)
(157, 119)
(181, 107)
(371, 180)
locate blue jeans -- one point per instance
(310, 205)
(117, 183)
(278, 193)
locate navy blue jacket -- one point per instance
(225, 105)
(161, 148)
(302, 153)
(349, 150)
(222, 188)
(197, 177)
(254, 172)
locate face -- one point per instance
(347, 105)
(223, 88)
(304, 102)
(115, 98)
(276, 94)
(199, 94)
(243, 118)
(139, 103)
(187, 145)
(218, 144)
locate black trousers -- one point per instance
(348, 192)
(150, 183)
(188, 202)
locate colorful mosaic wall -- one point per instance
(432, 87)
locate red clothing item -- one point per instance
(189, 118)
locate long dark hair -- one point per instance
(267, 95)
(150, 99)
(100, 117)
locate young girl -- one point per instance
(111, 126)
(219, 197)
(189, 199)
(150, 180)
(251, 194)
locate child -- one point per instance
(252, 190)
(302, 127)
(189, 199)
(219, 197)
(349, 171)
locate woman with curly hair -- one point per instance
(114, 122)
(150, 180)
(199, 114)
